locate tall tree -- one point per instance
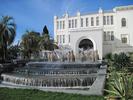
(7, 34)
(13, 51)
(45, 30)
(30, 42)
(45, 42)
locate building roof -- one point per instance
(123, 8)
(120, 8)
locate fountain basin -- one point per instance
(55, 75)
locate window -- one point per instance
(75, 23)
(63, 38)
(92, 21)
(107, 20)
(72, 23)
(124, 38)
(69, 38)
(104, 20)
(63, 24)
(86, 22)
(104, 36)
(123, 22)
(60, 24)
(112, 20)
(81, 22)
(97, 21)
(112, 36)
(108, 36)
(69, 24)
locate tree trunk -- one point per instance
(5, 51)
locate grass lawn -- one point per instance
(28, 94)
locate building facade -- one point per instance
(104, 31)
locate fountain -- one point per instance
(58, 70)
(49, 74)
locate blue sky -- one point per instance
(34, 14)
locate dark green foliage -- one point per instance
(30, 43)
(109, 58)
(121, 60)
(33, 42)
(45, 42)
(7, 34)
(45, 30)
(26, 94)
(13, 51)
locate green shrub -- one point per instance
(121, 60)
(109, 58)
(121, 86)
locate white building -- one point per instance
(105, 31)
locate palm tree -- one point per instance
(29, 43)
(7, 34)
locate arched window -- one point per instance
(123, 22)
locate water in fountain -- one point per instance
(60, 68)
(69, 56)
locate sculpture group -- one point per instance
(69, 56)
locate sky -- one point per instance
(35, 14)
